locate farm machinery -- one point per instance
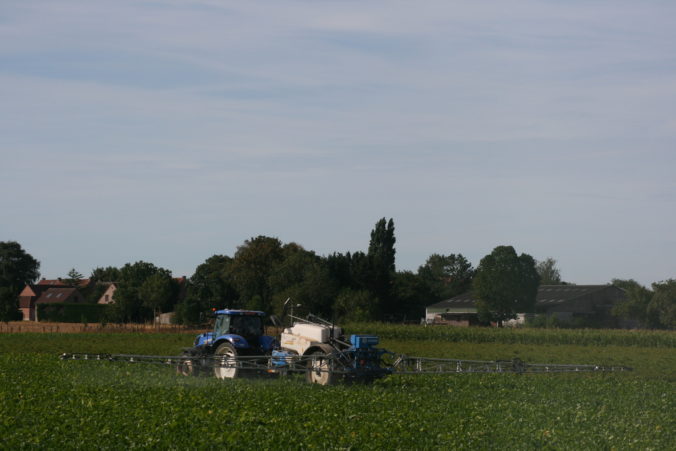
(317, 348)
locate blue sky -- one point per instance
(169, 131)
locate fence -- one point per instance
(40, 327)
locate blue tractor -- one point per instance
(237, 333)
(238, 347)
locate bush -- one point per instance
(72, 313)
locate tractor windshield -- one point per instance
(222, 325)
(244, 325)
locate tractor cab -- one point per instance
(242, 329)
(245, 323)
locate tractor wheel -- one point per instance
(225, 354)
(186, 368)
(319, 369)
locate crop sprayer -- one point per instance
(238, 347)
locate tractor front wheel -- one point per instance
(225, 362)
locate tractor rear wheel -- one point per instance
(319, 369)
(225, 362)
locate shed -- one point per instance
(565, 302)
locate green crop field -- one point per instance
(53, 404)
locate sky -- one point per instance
(170, 131)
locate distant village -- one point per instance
(59, 291)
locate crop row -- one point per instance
(47, 403)
(582, 337)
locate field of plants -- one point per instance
(48, 403)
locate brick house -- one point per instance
(31, 294)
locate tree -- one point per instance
(661, 311)
(381, 246)
(107, 274)
(505, 284)
(548, 272)
(411, 296)
(251, 269)
(304, 277)
(355, 305)
(157, 292)
(446, 275)
(189, 311)
(17, 269)
(129, 306)
(213, 284)
(74, 278)
(635, 308)
(381, 255)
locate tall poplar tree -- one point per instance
(381, 258)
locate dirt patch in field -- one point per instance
(39, 327)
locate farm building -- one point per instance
(565, 302)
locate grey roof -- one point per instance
(57, 295)
(548, 295)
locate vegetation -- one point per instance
(526, 336)
(72, 312)
(134, 301)
(352, 286)
(505, 284)
(654, 308)
(264, 272)
(548, 272)
(74, 278)
(446, 275)
(17, 268)
(48, 403)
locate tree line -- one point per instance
(648, 308)
(352, 286)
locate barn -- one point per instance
(567, 303)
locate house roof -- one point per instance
(547, 296)
(54, 295)
(29, 290)
(31, 293)
(61, 282)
